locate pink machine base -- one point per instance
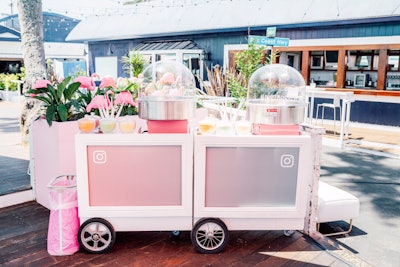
(276, 129)
(167, 126)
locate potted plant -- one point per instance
(59, 100)
(133, 63)
(53, 135)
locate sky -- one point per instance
(81, 9)
(72, 8)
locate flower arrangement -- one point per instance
(116, 98)
(69, 100)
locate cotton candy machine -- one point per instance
(276, 100)
(167, 97)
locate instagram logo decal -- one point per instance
(99, 157)
(287, 161)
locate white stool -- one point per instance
(334, 105)
(335, 204)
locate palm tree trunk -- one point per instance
(31, 24)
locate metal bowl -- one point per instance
(167, 108)
(276, 112)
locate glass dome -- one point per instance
(167, 78)
(276, 95)
(276, 81)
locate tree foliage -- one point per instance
(247, 61)
(133, 63)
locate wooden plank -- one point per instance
(382, 63)
(305, 65)
(341, 73)
(26, 245)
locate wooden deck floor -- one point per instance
(23, 234)
(374, 139)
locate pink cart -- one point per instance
(208, 185)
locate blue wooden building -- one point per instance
(67, 56)
(328, 40)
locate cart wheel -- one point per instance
(96, 235)
(288, 232)
(176, 233)
(209, 236)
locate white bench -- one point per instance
(335, 204)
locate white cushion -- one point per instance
(335, 204)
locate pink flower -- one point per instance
(167, 78)
(86, 82)
(32, 95)
(99, 101)
(125, 97)
(108, 82)
(41, 84)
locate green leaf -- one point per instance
(76, 104)
(70, 90)
(50, 112)
(62, 112)
(64, 83)
(37, 91)
(61, 87)
(53, 94)
(43, 99)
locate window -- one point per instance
(191, 58)
(362, 59)
(331, 59)
(106, 66)
(317, 62)
(363, 62)
(192, 61)
(10, 66)
(393, 62)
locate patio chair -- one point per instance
(334, 105)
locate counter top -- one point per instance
(363, 91)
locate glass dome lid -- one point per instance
(167, 79)
(276, 81)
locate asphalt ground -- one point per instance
(373, 178)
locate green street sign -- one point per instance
(263, 40)
(271, 31)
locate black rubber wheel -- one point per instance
(96, 235)
(288, 232)
(209, 236)
(176, 233)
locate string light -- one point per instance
(139, 7)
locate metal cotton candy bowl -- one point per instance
(167, 108)
(276, 95)
(281, 111)
(168, 92)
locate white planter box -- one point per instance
(52, 155)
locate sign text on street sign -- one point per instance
(262, 40)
